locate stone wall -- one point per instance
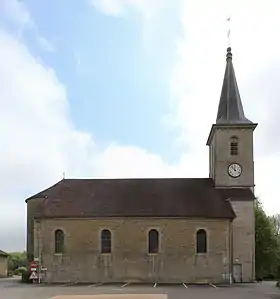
(219, 155)
(244, 238)
(176, 261)
(3, 266)
(31, 207)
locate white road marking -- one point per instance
(125, 285)
(155, 285)
(212, 285)
(95, 285)
(185, 286)
(70, 284)
(67, 284)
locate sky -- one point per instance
(128, 88)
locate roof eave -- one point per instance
(229, 125)
(34, 197)
(41, 217)
(3, 253)
(210, 135)
(41, 193)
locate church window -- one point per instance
(234, 146)
(59, 241)
(106, 240)
(201, 241)
(153, 241)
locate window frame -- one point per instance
(59, 241)
(104, 247)
(234, 146)
(153, 252)
(205, 241)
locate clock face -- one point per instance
(234, 170)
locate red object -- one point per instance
(33, 264)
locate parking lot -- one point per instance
(12, 289)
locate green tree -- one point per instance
(275, 219)
(267, 244)
(16, 260)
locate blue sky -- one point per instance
(118, 86)
(127, 88)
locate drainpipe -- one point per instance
(38, 249)
(231, 251)
(230, 255)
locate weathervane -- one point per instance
(228, 34)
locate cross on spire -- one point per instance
(228, 34)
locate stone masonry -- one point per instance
(244, 223)
(244, 239)
(3, 265)
(177, 260)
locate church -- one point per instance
(172, 230)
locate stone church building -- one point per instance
(156, 230)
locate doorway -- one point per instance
(237, 273)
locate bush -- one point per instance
(270, 276)
(25, 276)
(10, 273)
(17, 260)
(20, 270)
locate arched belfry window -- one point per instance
(201, 241)
(153, 241)
(106, 241)
(234, 146)
(59, 241)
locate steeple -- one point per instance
(230, 139)
(230, 109)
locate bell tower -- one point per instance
(230, 141)
(231, 163)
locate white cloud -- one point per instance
(111, 7)
(147, 10)
(130, 161)
(16, 12)
(198, 75)
(44, 43)
(39, 142)
(197, 78)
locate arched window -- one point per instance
(106, 241)
(234, 146)
(153, 241)
(59, 241)
(201, 241)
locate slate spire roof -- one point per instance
(230, 109)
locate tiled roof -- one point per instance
(2, 253)
(172, 197)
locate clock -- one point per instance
(234, 170)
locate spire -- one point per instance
(230, 109)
